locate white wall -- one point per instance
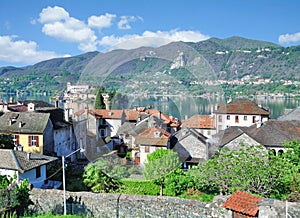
(143, 154)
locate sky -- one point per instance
(35, 30)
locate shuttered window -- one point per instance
(33, 140)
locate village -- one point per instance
(43, 133)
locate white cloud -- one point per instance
(152, 39)
(52, 14)
(289, 38)
(102, 21)
(20, 51)
(58, 24)
(124, 23)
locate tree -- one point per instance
(249, 169)
(6, 141)
(159, 164)
(104, 175)
(293, 152)
(99, 102)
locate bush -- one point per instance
(139, 187)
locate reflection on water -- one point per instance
(182, 106)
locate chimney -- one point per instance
(56, 104)
(10, 121)
(156, 134)
(31, 107)
(28, 155)
(20, 124)
(185, 117)
(11, 100)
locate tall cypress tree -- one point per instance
(99, 102)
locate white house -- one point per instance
(240, 112)
(24, 165)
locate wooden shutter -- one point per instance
(29, 141)
(17, 139)
(37, 141)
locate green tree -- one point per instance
(6, 141)
(99, 102)
(249, 169)
(104, 175)
(292, 152)
(159, 164)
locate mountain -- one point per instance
(171, 68)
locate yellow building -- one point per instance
(31, 131)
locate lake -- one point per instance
(182, 106)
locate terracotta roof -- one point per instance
(241, 106)
(18, 160)
(167, 119)
(107, 114)
(155, 136)
(131, 115)
(200, 122)
(243, 202)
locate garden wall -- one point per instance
(122, 205)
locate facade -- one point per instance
(240, 112)
(204, 124)
(148, 142)
(25, 166)
(32, 132)
(191, 147)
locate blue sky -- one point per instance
(36, 30)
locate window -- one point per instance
(220, 118)
(15, 139)
(147, 149)
(38, 172)
(245, 118)
(33, 140)
(253, 119)
(236, 119)
(208, 132)
(102, 133)
(228, 117)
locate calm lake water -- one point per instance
(182, 106)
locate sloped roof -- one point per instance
(200, 122)
(37, 103)
(271, 133)
(149, 137)
(56, 117)
(291, 115)
(275, 132)
(107, 114)
(241, 106)
(32, 122)
(18, 160)
(131, 115)
(243, 202)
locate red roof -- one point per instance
(131, 115)
(155, 136)
(243, 202)
(107, 114)
(241, 106)
(200, 122)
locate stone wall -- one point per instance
(121, 205)
(116, 205)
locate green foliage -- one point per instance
(249, 169)
(159, 164)
(178, 182)
(99, 101)
(6, 141)
(104, 175)
(139, 187)
(4, 182)
(293, 152)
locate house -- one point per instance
(31, 132)
(191, 147)
(204, 124)
(272, 134)
(240, 112)
(243, 204)
(148, 142)
(24, 165)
